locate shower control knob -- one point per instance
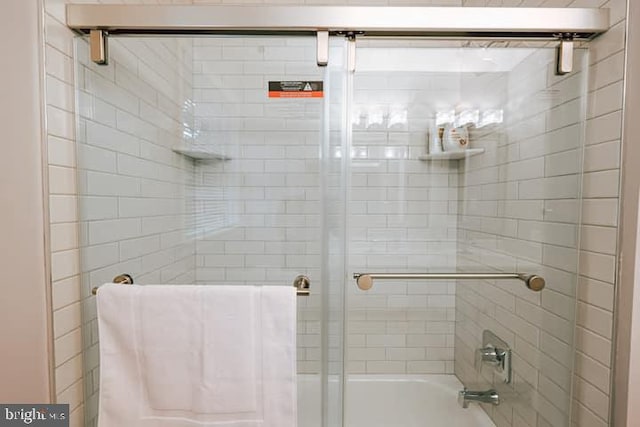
(489, 355)
(496, 354)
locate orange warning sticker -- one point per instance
(296, 89)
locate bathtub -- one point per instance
(392, 401)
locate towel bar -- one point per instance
(365, 280)
(301, 283)
(122, 279)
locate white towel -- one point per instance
(185, 355)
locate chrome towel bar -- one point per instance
(365, 280)
(121, 279)
(301, 283)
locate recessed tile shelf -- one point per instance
(199, 153)
(452, 155)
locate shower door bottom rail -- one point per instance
(365, 280)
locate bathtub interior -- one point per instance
(392, 400)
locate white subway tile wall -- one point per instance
(120, 129)
(136, 196)
(519, 231)
(402, 218)
(259, 213)
(599, 218)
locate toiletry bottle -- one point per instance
(435, 139)
(455, 138)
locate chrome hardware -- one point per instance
(489, 396)
(494, 352)
(489, 355)
(303, 284)
(534, 282)
(365, 280)
(99, 45)
(564, 63)
(495, 22)
(322, 48)
(351, 51)
(121, 279)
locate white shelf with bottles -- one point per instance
(452, 155)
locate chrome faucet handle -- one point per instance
(495, 353)
(488, 354)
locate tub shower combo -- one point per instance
(413, 171)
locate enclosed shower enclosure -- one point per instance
(252, 155)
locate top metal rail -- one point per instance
(543, 23)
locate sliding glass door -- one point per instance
(237, 160)
(208, 161)
(463, 159)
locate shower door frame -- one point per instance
(538, 23)
(565, 25)
(484, 23)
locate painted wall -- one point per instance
(25, 371)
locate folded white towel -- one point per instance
(184, 355)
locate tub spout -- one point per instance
(489, 396)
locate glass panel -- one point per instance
(190, 173)
(263, 189)
(335, 178)
(509, 203)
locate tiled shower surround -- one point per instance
(251, 217)
(401, 342)
(596, 257)
(259, 212)
(267, 201)
(135, 202)
(519, 211)
(254, 215)
(402, 218)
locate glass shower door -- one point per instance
(191, 171)
(200, 163)
(463, 159)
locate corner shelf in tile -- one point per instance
(452, 155)
(200, 153)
